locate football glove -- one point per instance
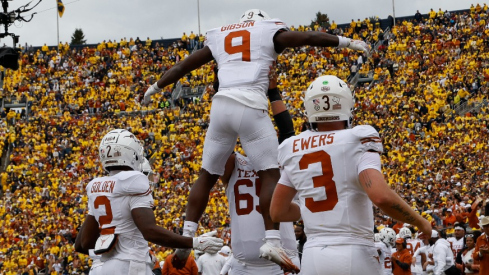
(278, 255)
(208, 244)
(358, 45)
(153, 89)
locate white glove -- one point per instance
(356, 45)
(153, 89)
(273, 237)
(359, 45)
(208, 244)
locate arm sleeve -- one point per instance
(284, 180)
(89, 202)
(141, 202)
(402, 265)
(417, 252)
(475, 255)
(90, 209)
(473, 220)
(285, 125)
(369, 160)
(139, 191)
(166, 266)
(369, 138)
(207, 41)
(194, 270)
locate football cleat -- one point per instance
(278, 256)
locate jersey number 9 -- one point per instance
(244, 48)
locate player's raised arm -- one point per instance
(180, 69)
(281, 115)
(287, 39)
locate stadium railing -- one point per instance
(175, 94)
(192, 92)
(462, 108)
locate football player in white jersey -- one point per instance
(248, 231)
(381, 248)
(422, 254)
(120, 219)
(388, 238)
(336, 172)
(243, 52)
(457, 242)
(243, 187)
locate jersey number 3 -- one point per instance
(323, 181)
(244, 48)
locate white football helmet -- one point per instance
(254, 15)
(328, 99)
(377, 237)
(388, 236)
(405, 233)
(148, 171)
(121, 148)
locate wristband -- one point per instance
(343, 42)
(272, 234)
(274, 95)
(189, 228)
(155, 86)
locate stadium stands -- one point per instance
(435, 157)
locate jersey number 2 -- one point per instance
(107, 218)
(323, 181)
(244, 48)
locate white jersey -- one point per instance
(323, 167)
(247, 227)
(424, 249)
(387, 266)
(412, 245)
(244, 53)
(382, 249)
(456, 245)
(110, 201)
(96, 263)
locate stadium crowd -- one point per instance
(434, 157)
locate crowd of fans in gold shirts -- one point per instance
(422, 69)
